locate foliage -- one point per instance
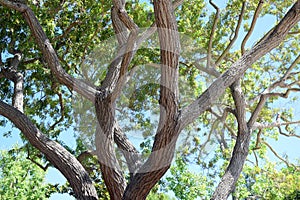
(185, 184)
(269, 182)
(20, 178)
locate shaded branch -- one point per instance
(130, 153)
(62, 108)
(44, 168)
(67, 30)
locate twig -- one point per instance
(276, 154)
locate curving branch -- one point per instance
(236, 34)
(164, 143)
(131, 154)
(48, 51)
(276, 154)
(281, 81)
(255, 17)
(213, 29)
(241, 148)
(278, 125)
(209, 70)
(64, 161)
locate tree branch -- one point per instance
(236, 34)
(130, 153)
(276, 154)
(241, 148)
(64, 161)
(11, 73)
(256, 14)
(209, 50)
(62, 108)
(49, 52)
(281, 81)
(217, 88)
(164, 143)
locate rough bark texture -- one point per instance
(105, 149)
(164, 144)
(63, 160)
(241, 148)
(12, 73)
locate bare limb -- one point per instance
(209, 70)
(209, 50)
(276, 154)
(253, 23)
(236, 34)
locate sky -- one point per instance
(283, 145)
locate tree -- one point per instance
(48, 74)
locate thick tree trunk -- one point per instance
(165, 139)
(105, 149)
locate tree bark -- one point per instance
(165, 139)
(105, 149)
(63, 160)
